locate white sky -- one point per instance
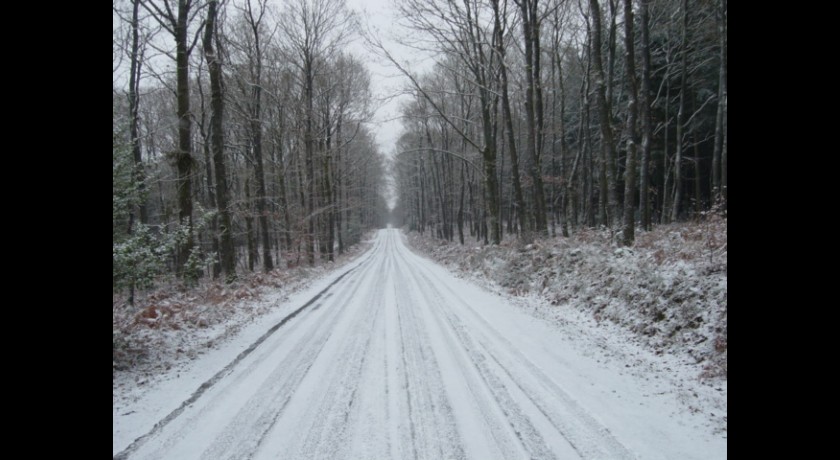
(380, 17)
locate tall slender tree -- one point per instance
(534, 106)
(499, 27)
(604, 111)
(718, 163)
(647, 126)
(134, 75)
(680, 122)
(314, 30)
(628, 232)
(177, 24)
(254, 18)
(214, 65)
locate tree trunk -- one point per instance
(422, 197)
(309, 161)
(259, 172)
(257, 135)
(533, 107)
(203, 130)
(211, 193)
(647, 128)
(183, 156)
(675, 210)
(628, 234)
(539, 122)
(489, 155)
(134, 119)
(697, 186)
(328, 197)
(302, 237)
(666, 194)
(607, 146)
(226, 250)
(461, 206)
(565, 181)
(585, 144)
(498, 40)
(612, 39)
(720, 124)
(339, 189)
(723, 158)
(471, 203)
(249, 227)
(281, 186)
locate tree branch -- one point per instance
(160, 16)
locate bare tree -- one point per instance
(607, 142)
(719, 156)
(253, 17)
(460, 32)
(647, 128)
(177, 24)
(534, 105)
(313, 31)
(499, 26)
(681, 114)
(293, 126)
(480, 59)
(628, 234)
(136, 57)
(214, 64)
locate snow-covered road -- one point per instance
(399, 359)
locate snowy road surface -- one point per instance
(399, 359)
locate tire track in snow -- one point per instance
(493, 427)
(398, 417)
(587, 436)
(329, 400)
(247, 429)
(512, 430)
(328, 435)
(297, 361)
(389, 361)
(434, 431)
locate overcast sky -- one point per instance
(380, 16)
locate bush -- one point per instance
(139, 259)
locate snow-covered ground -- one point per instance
(669, 291)
(397, 358)
(169, 327)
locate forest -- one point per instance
(239, 139)
(541, 117)
(242, 136)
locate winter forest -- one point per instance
(476, 229)
(543, 117)
(243, 141)
(248, 148)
